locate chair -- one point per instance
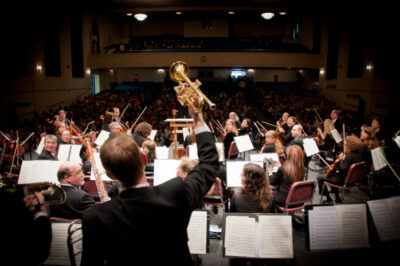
(233, 150)
(215, 196)
(353, 178)
(74, 241)
(90, 187)
(299, 195)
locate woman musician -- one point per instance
(272, 144)
(231, 131)
(337, 174)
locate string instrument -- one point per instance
(79, 137)
(124, 126)
(220, 129)
(336, 163)
(10, 148)
(278, 136)
(320, 140)
(99, 182)
(130, 129)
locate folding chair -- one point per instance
(353, 178)
(233, 150)
(215, 196)
(74, 241)
(299, 195)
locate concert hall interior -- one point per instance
(299, 97)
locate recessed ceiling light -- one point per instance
(231, 12)
(282, 13)
(267, 15)
(178, 12)
(140, 16)
(129, 14)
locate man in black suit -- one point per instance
(77, 201)
(297, 134)
(49, 148)
(286, 135)
(336, 121)
(145, 226)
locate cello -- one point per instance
(336, 163)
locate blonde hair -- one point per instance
(278, 144)
(187, 164)
(293, 167)
(234, 128)
(149, 148)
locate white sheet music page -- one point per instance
(59, 249)
(336, 135)
(239, 236)
(353, 229)
(394, 207)
(234, 170)
(382, 217)
(220, 150)
(102, 137)
(377, 159)
(193, 151)
(39, 171)
(259, 157)
(100, 168)
(40, 147)
(152, 134)
(310, 147)
(69, 152)
(243, 143)
(197, 232)
(164, 170)
(275, 236)
(323, 228)
(162, 153)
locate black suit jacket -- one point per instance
(45, 155)
(77, 201)
(145, 226)
(298, 141)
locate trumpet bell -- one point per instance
(177, 70)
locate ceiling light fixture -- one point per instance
(140, 16)
(282, 13)
(178, 12)
(267, 15)
(231, 12)
(129, 14)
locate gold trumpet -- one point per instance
(53, 194)
(179, 72)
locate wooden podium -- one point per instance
(177, 124)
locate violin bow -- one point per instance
(138, 118)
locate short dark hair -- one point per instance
(122, 159)
(63, 172)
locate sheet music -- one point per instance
(76, 239)
(394, 207)
(39, 171)
(353, 229)
(197, 232)
(40, 147)
(71, 151)
(102, 137)
(323, 228)
(194, 155)
(152, 134)
(310, 147)
(164, 170)
(59, 248)
(243, 143)
(336, 135)
(259, 157)
(185, 132)
(239, 236)
(275, 236)
(377, 159)
(382, 217)
(234, 170)
(162, 152)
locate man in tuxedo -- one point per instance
(49, 148)
(143, 225)
(77, 201)
(336, 121)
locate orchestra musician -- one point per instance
(62, 117)
(231, 131)
(283, 122)
(164, 210)
(376, 126)
(77, 201)
(115, 114)
(66, 137)
(297, 134)
(336, 121)
(234, 117)
(286, 135)
(272, 144)
(141, 132)
(351, 155)
(49, 148)
(115, 129)
(245, 128)
(108, 118)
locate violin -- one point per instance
(77, 133)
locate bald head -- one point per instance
(297, 130)
(71, 173)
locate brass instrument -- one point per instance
(179, 72)
(47, 189)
